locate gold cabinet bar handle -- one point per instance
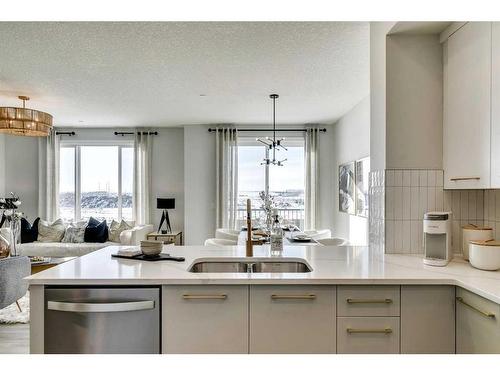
(485, 313)
(204, 296)
(382, 330)
(464, 178)
(353, 300)
(305, 296)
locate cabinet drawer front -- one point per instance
(361, 300)
(292, 319)
(478, 331)
(368, 335)
(205, 319)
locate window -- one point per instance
(97, 181)
(286, 183)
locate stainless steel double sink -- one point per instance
(250, 265)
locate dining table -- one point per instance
(288, 237)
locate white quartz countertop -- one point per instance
(331, 265)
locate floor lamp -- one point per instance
(165, 204)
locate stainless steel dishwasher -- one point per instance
(102, 320)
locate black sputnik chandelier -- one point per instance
(274, 144)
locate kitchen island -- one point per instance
(351, 301)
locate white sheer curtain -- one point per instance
(143, 145)
(48, 176)
(312, 177)
(226, 146)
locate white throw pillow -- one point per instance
(51, 232)
(116, 228)
(75, 232)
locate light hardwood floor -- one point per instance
(14, 338)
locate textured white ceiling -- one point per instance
(152, 74)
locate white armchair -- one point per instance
(318, 234)
(227, 234)
(218, 242)
(336, 241)
(134, 236)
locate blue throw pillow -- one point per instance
(29, 233)
(95, 231)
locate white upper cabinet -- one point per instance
(467, 107)
(495, 105)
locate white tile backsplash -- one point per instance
(407, 178)
(414, 202)
(439, 199)
(406, 203)
(377, 210)
(431, 199)
(398, 203)
(422, 201)
(431, 178)
(439, 178)
(398, 177)
(406, 234)
(410, 193)
(423, 178)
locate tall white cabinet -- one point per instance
(495, 105)
(471, 130)
(467, 151)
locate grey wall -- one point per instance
(168, 175)
(414, 102)
(351, 141)
(378, 34)
(199, 184)
(21, 171)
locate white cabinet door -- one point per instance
(467, 103)
(292, 319)
(495, 105)
(478, 327)
(205, 319)
(427, 319)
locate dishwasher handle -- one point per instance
(79, 307)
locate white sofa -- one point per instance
(130, 237)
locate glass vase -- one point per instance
(15, 230)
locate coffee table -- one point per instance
(35, 268)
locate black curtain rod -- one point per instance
(323, 130)
(132, 133)
(66, 133)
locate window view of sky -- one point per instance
(290, 176)
(99, 168)
(99, 182)
(251, 175)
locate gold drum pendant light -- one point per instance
(24, 121)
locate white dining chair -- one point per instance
(227, 234)
(335, 241)
(318, 234)
(220, 242)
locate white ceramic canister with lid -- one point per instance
(471, 232)
(485, 255)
